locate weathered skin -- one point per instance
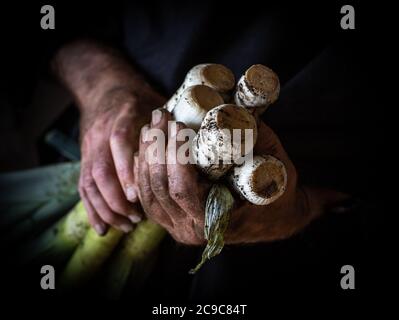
(174, 196)
(114, 102)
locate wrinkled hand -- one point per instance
(174, 195)
(109, 138)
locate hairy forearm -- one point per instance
(92, 71)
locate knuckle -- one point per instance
(101, 171)
(119, 135)
(87, 183)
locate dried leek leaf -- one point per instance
(217, 216)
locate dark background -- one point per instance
(334, 140)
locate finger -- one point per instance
(268, 142)
(103, 210)
(94, 219)
(157, 168)
(122, 143)
(103, 172)
(136, 172)
(148, 200)
(183, 179)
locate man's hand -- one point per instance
(174, 195)
(171, 194)
(115, 102)
(109, 140)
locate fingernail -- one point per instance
(144, 133)
(134, 218)
(100, 229)
(131, 193)
(156, 116)
(126, 228)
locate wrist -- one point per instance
(109, 104)
(97, 75)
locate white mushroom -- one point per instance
(217, 146)
(194, 103)
(261, 181)
(257, 89)
(216, 76)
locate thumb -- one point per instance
(269, 143)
